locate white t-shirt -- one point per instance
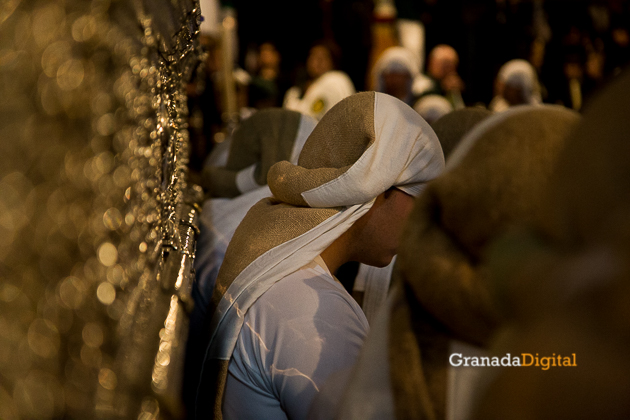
(304, 328)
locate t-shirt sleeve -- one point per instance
(296, 335)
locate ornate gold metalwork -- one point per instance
(97, 223)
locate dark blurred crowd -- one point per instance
(283, 49)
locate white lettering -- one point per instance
(459, 360)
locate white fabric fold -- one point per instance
(221, 216)
(397, 134)
(219, 219)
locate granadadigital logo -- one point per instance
(525, 359)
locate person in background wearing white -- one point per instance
(325, 85)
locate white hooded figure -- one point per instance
(433, 107)
(397, 73)
(516, 84)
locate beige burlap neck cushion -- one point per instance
(263, 139)
(495, 179)
(452, 127)
(334, 145)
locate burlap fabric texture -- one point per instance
(263, 139)
(363, 146)
(565, 280)
(452, 127)
(494, 179)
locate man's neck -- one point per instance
(337, 253)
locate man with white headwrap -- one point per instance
(281, 324)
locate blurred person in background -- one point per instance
(323, 86)
(204, 107)
(433, 107)
(264, 89)
(516, 84)
(442, 69)
(397, 73)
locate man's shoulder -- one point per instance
(308, 292)
(303, 286)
